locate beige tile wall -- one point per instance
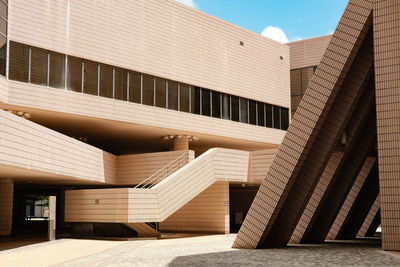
(309, 52)
(259, 164)
(208, 212)
(161, 38)
(133, 169)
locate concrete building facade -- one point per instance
(134, 112)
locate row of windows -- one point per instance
(3, 36)
(42, 67)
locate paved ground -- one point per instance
(191, 251)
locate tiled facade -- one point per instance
(323, 183)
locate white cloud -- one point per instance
(190, 3)
(297, 38)
(275, 33)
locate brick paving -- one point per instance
(217, 251)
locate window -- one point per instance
(243, 110)
(74, 74)
(306, 76)
(173, 95)
(260, 114)
(205, 102)
(3, 26)
(184, 97)
(161, 93)
(226, 107)
(106, 81)
(120, 84)
(268, 114)
(3, 55)
(3, 10)
(19, 62)
(39, 60)
(216, 104)
(253, 112)
(195, 100)
(295, 82)
(284, 118)
(135, 87)
(148, 89)
(277, 117)
(57, 70)
(235, 108)
(91, 77)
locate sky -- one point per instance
(281, 20)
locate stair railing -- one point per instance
(165, 171)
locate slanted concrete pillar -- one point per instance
(6, 206)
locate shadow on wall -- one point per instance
(359, 253)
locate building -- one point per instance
(134, 112)
(305, 55)
(336, 174)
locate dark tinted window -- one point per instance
(172, 95)
(135, 85)
(284, 118)
(19, 62)
(260, 114)
(235, 108)
(268, 114)
(39, 66)
(253, 112)
(277, 115)
(226, 107)
(243, 110)
(195, 100)
(205, 102)
(148, 90)
(216, 104)
(120, 86)
(106, 81)
(74, 74)
(90, 82)
(3, 55)
(161, 97)
(184, 97)
(57, 70)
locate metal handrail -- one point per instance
(156, 177)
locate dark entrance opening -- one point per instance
(240, 199)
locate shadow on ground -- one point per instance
(332, 254)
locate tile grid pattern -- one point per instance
(373, 212)
(304, 128)
(332, 169)
(351, 197)
(387, 66)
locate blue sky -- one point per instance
(298, 19)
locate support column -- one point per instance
(180, 144)
(6, 206)
(387, 64)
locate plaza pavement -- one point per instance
(189, 250)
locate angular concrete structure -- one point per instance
(321, 182)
